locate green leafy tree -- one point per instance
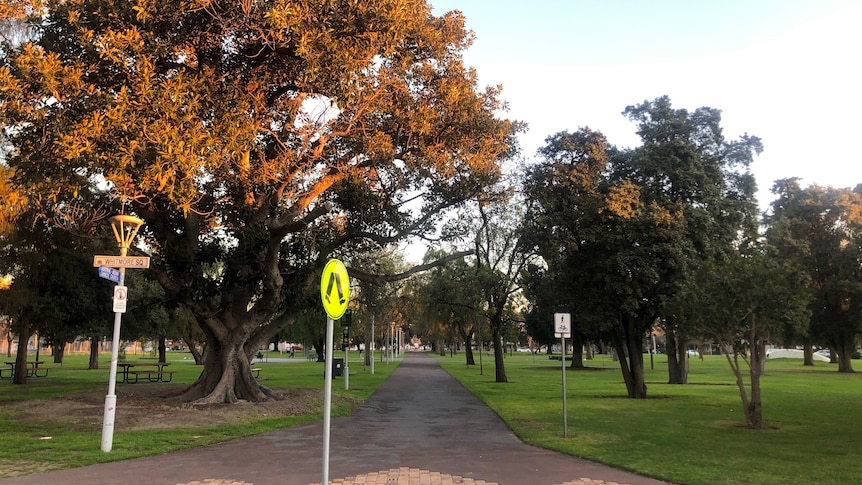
(730, 304)
(629, 227)
(821, 230)
(259, 138)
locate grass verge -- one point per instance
(692, 434)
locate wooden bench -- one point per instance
(41, 371)
(153, 375)
(256, 372)
(6, 368)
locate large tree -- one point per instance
(820, 228)
(255, 140)
(628, 227)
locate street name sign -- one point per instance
(109, 273)
(137, 262)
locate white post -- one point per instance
(327, 399)
(111, 397)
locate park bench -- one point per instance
(153, 375)
(256, 372)
(6, 368)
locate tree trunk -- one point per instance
(20, 376)
(632, 364)
(193, 349)
(467, 336)
(319, 350)
(499, 364)
(677, 360)
(754, 410)
(577, 352)
(807, 354)
(589, 350)
(94, 353)
(163, 354)
(58, 351)
(844, 352)
(227, 376)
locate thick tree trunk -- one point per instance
(807, 354)
(677, 360)
(57, 351)
(227, 376)
(94, 353)
(845, 354)
(577, 353)
(632, 364)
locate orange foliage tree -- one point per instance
(255, 140)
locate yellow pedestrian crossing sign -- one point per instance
(335, 289)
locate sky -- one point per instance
(787, 71)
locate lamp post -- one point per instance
(125, 229)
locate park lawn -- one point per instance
(27, 449)
(691, 434)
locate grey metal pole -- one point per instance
(371, 355)
(327, 399)
(565, 412)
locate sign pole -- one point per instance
(565, 411)
(562, 329)
(111, 397)
(335, 293)
(327, 398)
(125, 229)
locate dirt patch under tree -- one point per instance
(157, 406)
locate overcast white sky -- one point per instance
(787, 71)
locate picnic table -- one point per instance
(33, 368)
(154, 371)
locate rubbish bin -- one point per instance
(337, 367)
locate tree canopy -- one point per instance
(255, 139)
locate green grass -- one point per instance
(691, 434)
(26, 452)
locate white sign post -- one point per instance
(125, 229)
(563, 329)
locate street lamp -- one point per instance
(125, 229)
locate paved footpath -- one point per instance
(421, 427)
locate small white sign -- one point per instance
(121, 298)
(563, 323)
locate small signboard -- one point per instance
(121, 298)
(335, 289)
(109, 273)
(563, 324)
(139, 262)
